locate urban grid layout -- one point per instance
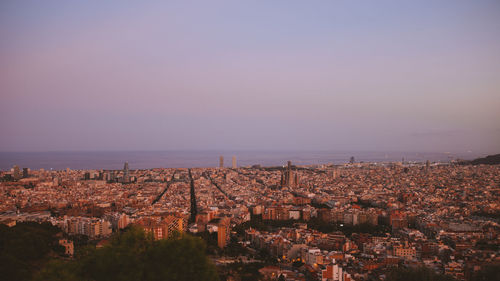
(353, 221)
(230, 140)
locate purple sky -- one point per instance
(278, 75)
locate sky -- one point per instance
(250, 75)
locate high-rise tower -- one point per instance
(125, 172)
(221, 162)
(234, 162)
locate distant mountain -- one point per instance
(488, 160)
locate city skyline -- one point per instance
(342, 76)
(250, 140)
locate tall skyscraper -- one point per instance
(221, 161)
(125, 172)
(234, 162)
(125, 169)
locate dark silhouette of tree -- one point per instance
(26, 246)
(134, 255)
(58, 270)
(488, 273)
(416, 274)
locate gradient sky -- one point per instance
(294, 75)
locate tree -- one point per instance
(487, 273)
(178, 259)
(57, 270)
(134, 255)
(26, 246)
(416, 274)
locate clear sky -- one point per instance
(274, 75)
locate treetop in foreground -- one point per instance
(134, 255)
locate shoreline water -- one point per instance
(194, 159)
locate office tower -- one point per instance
(16, 172)
(26, 172)
(351, 160)
(427, 165)
(234, 162)
(221, 161)
(125, 169)
(125, 172)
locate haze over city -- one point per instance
(250, 140)
(257, 75)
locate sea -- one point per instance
(109, 160)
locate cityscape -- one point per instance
(226, 140)
(355, 221)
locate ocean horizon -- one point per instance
(111, 160)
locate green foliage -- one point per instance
(26, 246)
(416, 274)
(182, 259)
(488, 160)
(243, 271)
(265, 255)
(347, 229)
(210, 239)
(122, 259)
(488, 273)
(314, 223)
(263, 225)
(485, 244)
(234, 249)
(493, 215)
(57, 270)
(133, 255)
